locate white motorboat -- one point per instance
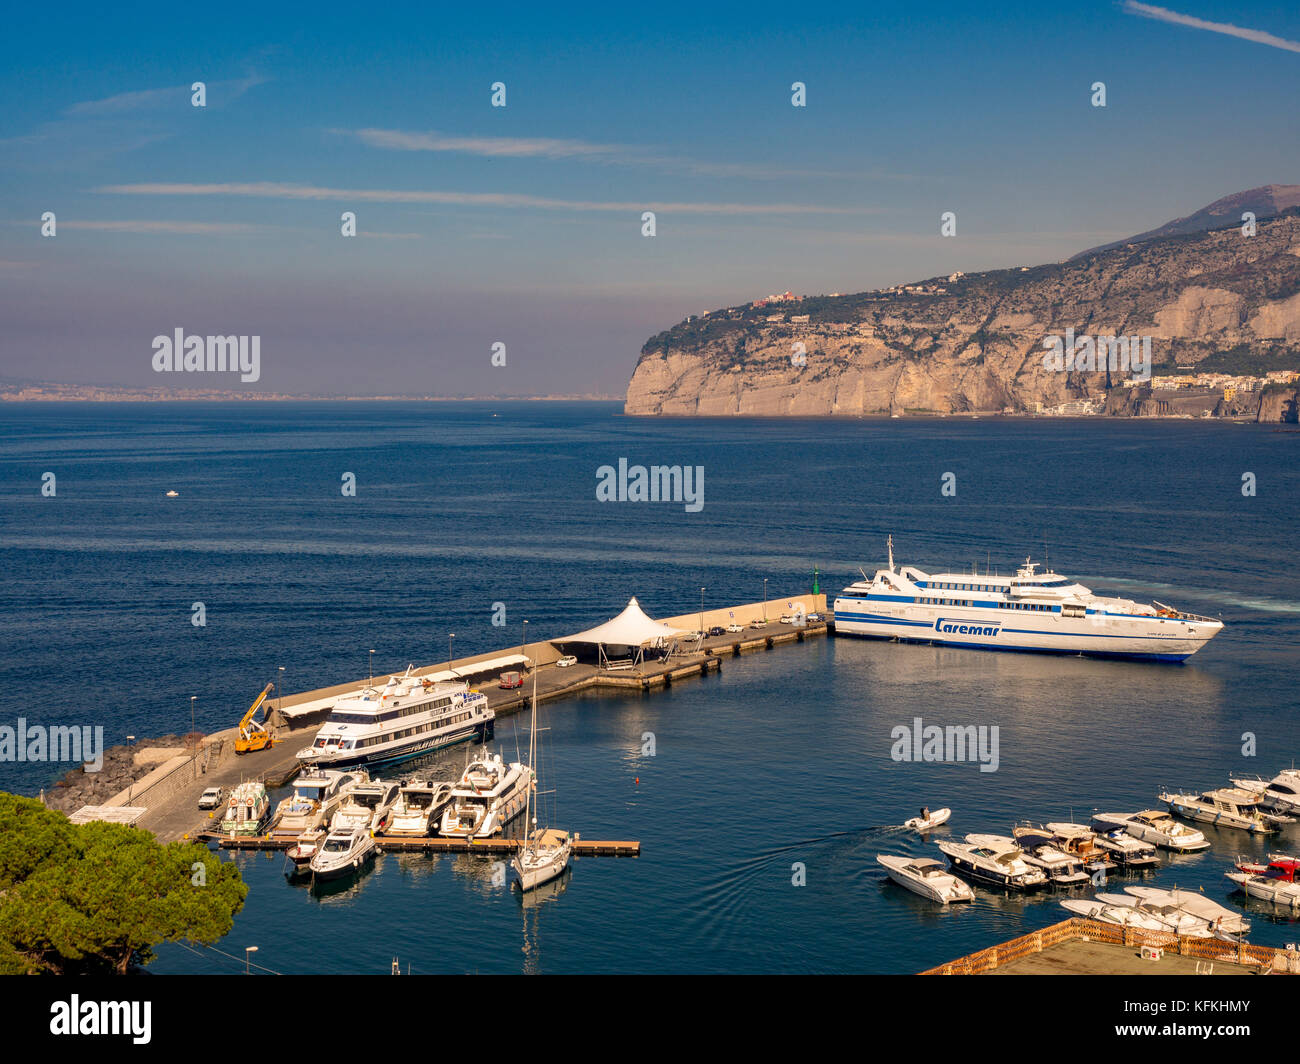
(1157, 827)
(247, 810)
(1276, 883)
(1281, 793)
(317, 793)
(1029, 611)
(928, 820)
(1225, 807)
(926, 876)
(994, 859)
(343, 852)
(418, 808)
(300, 854)
(1173, 919)
(488, 795)
(1081, 842)
(1121, 915)
(1219, 918)
(1041, 851)
(544, 854)
(366, 806)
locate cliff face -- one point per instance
(1217, 300)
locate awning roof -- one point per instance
(474, 667)
(630, 628)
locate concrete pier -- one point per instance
(169, 797)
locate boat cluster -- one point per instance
(1063, 854)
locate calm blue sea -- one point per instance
(781, 759)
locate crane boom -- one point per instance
(252, 735)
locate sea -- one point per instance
(761, 794)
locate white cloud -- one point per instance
(1162, 14)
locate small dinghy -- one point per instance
(922, 824)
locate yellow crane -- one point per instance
(254, 735)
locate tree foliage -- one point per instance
(97, 897)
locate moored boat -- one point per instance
(343, 852)
(488, 795)
(926, 876)
(1040, 850)
(1220, 919)
(418, 807)
(317, 793)
(994, 859)
(1225, 807)
(366, 806)
(1280, 794)
(1157, 827)
(1277, 883)
(247, 810)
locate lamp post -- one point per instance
(279, 690)
(764, 598)
(372, 668)
(130, 789)
(450, 637)
(701, 616)
(248, 950)
(523, 650)
(193, 698)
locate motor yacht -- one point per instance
(1226, 807)
(366, 806)
(1120, 915)
(1280, 794)
(1157, 827)
(1218, 918)
(488, 795)
(1041, 851)
(247, 810)
(317, 793)
(927, 877)
(1081, 842)
(994, 859)
(419, 806)
(343, 852)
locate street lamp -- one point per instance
(279, 688)
(193, 698)
(523, 650)
(701, 616)
(764, 598)
(247, 951)
(450, 637)
(130, 789)
(372, 668)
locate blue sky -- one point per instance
(522, 224)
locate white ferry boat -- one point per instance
(408, 717)
(1029, 611)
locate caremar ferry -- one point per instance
(1030, 611)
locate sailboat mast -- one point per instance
(532, 756)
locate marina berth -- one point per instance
(488, 796)
(409, 716)
(366, 806)
(926, 876)
(1156, 827)
(1029, 611)
(247, 810)
(317, 793)
(1227, 807)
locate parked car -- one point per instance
(212, 797)
(815, 618)
(789, 618)
(508, 680)
(717, 629)
(758, 622)
(733, 628)
(566, 661)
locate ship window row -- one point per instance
(944, 602)
(1025, 606)
(388, 737)
(992, 588)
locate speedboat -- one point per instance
(1041, 851)
(366, 806)
(317, 792)
(419, 805)
(1039, 611)
(994, 859)
(1281, 793)
(926, 876)
(1277, 883)
(1257, 868)
(343, 851)
(247, 810)
(488, 795)
(922, 824)
(1155, 826)
(1226, 807)
(1082, 842)
(1121, 915)
(1219, 918)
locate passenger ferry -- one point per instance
(408, 717)
(1030, 611)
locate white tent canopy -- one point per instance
(631, 628)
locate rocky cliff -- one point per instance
(1211, 300)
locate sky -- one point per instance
(522, 225)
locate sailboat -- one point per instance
(545, 853)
